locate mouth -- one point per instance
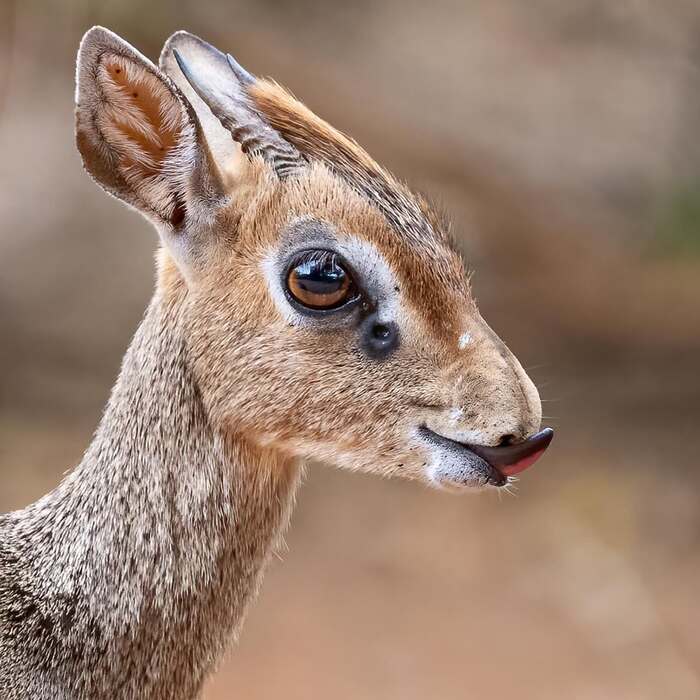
(481, 465)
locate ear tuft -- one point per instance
(133, 129)
(141, 118)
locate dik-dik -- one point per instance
(307, 306)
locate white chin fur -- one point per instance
(452, 472)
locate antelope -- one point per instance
(308, 306)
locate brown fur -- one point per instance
(129, 578)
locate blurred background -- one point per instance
(564, 139)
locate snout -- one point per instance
(458, 464)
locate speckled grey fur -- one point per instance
(128, 579)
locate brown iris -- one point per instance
(318, 280)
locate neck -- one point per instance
(142, 562)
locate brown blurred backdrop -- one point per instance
(563, 137)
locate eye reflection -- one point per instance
(318, 280)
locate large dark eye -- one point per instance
(318, 280)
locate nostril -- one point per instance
(506, 440)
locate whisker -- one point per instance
(511, 490)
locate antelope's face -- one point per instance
(328, 314)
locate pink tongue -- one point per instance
(521, 465)
(509, 460)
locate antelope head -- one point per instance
(326, 312)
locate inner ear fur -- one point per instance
(137, 135)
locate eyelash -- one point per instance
(324, 256)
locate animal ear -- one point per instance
(137, 135)
(218, 86)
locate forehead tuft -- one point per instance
(319, 141)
